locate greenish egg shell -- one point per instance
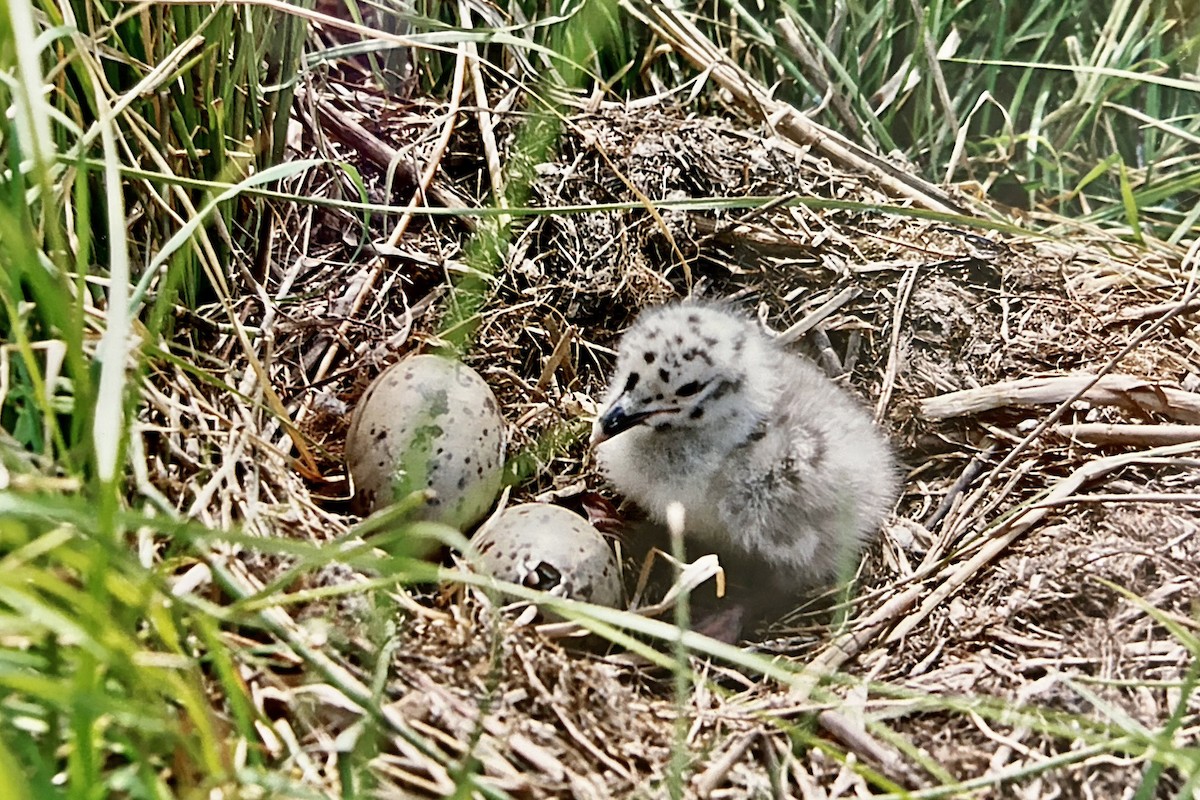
(428, 422)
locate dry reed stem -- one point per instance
(903, 293)
(1123, 391)
(1112, 433)
(386, 157)
(813, 68)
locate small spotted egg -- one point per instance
(428, 422)
(552, 549)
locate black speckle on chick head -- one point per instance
(697, 352)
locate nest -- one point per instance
(1026, 382)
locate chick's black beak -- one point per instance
(616, 420)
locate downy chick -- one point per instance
(780, 472)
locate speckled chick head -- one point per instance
(686, 366)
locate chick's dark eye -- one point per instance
(690, 388)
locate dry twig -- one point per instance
(1123, 391)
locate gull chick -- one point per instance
(779, 471)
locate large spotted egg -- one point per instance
(552, 549)
(428, 422)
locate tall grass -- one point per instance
(1048, 105)
(106, 679)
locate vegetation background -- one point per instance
(147, 149)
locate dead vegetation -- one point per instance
(1040, 392)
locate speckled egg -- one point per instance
(428, 422)
(550, 548)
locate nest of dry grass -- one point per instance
(1039, 393)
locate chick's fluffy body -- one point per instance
(773, 463)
